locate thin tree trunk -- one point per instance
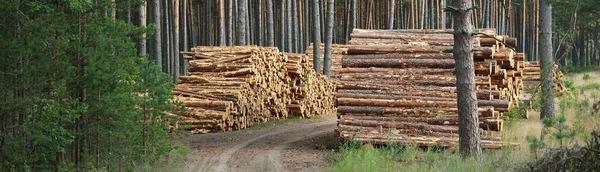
(176, 41)
(270, 28)
(392, 5)
(222, 34)
(547, 60)
(352, 17)
(142, 21)
(289, 34)
(168, 56)
(468, 131)
(316, 36)
(328, 39)
(242, 13)
(295, 30)
(157, 35)
(282, 26)
(259, 29)
(230, 22)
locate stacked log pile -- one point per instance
(531, 76)
(231, 88)
(311, 93)
(399, 86)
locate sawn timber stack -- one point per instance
(399, 86)
(231, 88)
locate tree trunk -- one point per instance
(176, 41)
(316, 36)
(270, 34)
(142, 21)
(157, 35)
(288, 20)
(259, 29)
(168, 36)
(282, 26)
(547, 60)
(230, 22)
(352, 18)
(469, 140)
(392, 5)
(242, 16)
(222, 34)
(295, 25)
(328, 39)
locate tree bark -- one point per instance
(242, 14)
(270, 34)
(142, 21)
(176, 41)
(157, 34)
(295, 26)
(222, 33)
(289, 22)
(352, 18)
(392, 8)
(547, 59)
(316, 36)
(328, 39)
(230, 22)
(469, 140)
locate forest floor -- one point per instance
(288, 145)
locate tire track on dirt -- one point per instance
(275, 152)
(252, 150)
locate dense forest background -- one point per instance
(86, 83)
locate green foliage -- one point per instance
(586, 76)
(518, 112)
(75, 94)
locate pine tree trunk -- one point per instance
(242, 7)
(168, 56)
(176, 41)
(282, 26)
(295, 25)
(547, 60)
(259, 20)
(288, 20)
(352, 17)
(222, 34)
(142, 21)
(392, 5)
(316, 36)
(469, 140)
(270, 34)
(157, 35)
(230, 24)
(328, 39)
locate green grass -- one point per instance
(409, 158)
(592, 86)
(173, 162)
(586, 76)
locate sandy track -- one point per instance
(286, 147)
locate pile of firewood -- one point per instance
(231, 88)
(399, 86)
(531, 76)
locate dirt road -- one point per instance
(287, 147)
